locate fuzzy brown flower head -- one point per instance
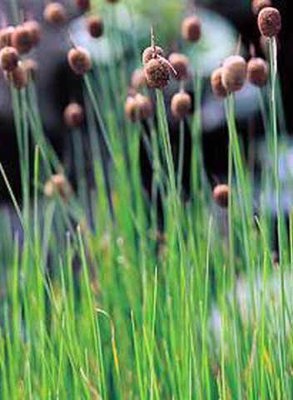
(58, 185)
(18, 77)
(55, 14)
(269, 22)
(35, 31)
(221, 195)
(138, 107)
(95, 26)
(258, 72)
(181, 105)
(5, 36)
(191, 28)
(234, 73)
(83, 5)
(216, 83)
(157, 73)
(258, 5)
(73, 115)
(9, 58)
(180, 63)
(150, 53)
(22, 39)
(138, 79)
(79, 60)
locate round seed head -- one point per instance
(180, 64)
(138, 79)
(73, 115)
(150, 53)
(58, 185)
(5, 36)
(257, 72)
(191, 28)
(217, 85)
(234, 73)
(269, 22)
(181, 105)
(221, 195)
(22, 39)
(55, 14)
(95, 26)
(79, 60)
(8, 58)
(131, 109)
(145, 106)
(157, 73)
(18, 77)
(83, 5)
(35, 31)
(258, 5)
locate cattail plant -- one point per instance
(138, 79)
(73, 115)
(181, 104)
(5, 36)
(234, 73)
(269, 22)
(23, 39)
(79, 60)
(55, 14)
(9, 58)
(95, 26)
(83, 5)
(221, 194)
(58, 185)
(138, 107)
(258, 5)
(257, 71)
(191, 28)
(180, 63)
(216, 83)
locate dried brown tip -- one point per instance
(5, 36)
(138, 108)
(258, 5)
(9, 58)
(22, 39)
(83, 5)
(138, 79)
(234, 73)
(58, 185)
(150, 53)
(157, 73)
(191, 28)
(180, 63)
(181, 105)
(258, 72)
(95, 26)
(79, 60)
(221, 195)
(18, 77)
(269, 22)
(55, 14)
(217, 85)
(73, 115)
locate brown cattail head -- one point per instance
(258, 5)
(138, 107)
(79, 60)
(95, 26)
(217, 85)
(58, 185)
(55, 14)
(269, 22)
(257, 72)
(22, 39)
(8, 58)
(181, 105)
(83, 5)
(157, 73)
(138, 79)
(73, 115)
(221, 195)
(18, 77)
(150, 53)
(191, 28)
(35, 31)
(234, 73)
(5, 36)
(180, 64)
